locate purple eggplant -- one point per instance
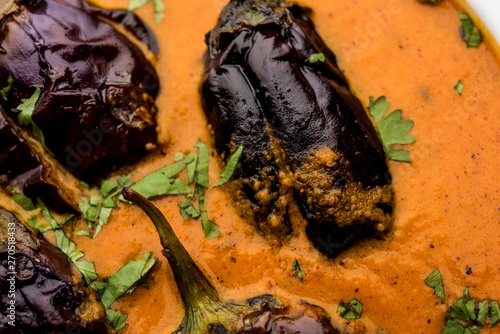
(96, 109)
(272, 85)
(41, 291)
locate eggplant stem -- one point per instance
(193, 286)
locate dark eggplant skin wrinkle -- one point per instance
(50, 294)
(307, 138)
(97, 108)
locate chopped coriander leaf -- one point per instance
(317, 57)
(297, 269)
(209, 227)
(191, 162)
(84, 185)
(107, 187)
(470, 34)
(23, 201)
(159, 7)
(188, 210)
(484, 309)
(453, 327)
(5, 91)
(459, 87)
(230, 167)
(202, 165)
(178, 157)
(392, 129)
(117, 320)
(351, 310)
(24, 118)
(435, 281)
(494, 312)
(475, 38)
(472, 330)
(124, 280)
(35, 224)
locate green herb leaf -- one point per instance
(117, 320)
(484, 310)
(84, 185)
(202, 166)
(230, 167)
(24, 202)
(124, 279)
(435, 281)
(84, 233)
(158, 6)
(392, 129)
(350, 311)
(297, 269)
(107, 187)
(494, 312)
(5, 91)
(35, 224)
(209, 227)
(475, 38)
(459, 87)
(192, 161)
(471, 35)
(24, 118)
(188, 210)
(317, 57)
(453, 327)
(472, 330)
(87, 269)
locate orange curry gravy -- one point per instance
(447, 200)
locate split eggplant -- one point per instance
(25, 167)
(272, 85)
(207, 314)
(96, 109)
(41, 290)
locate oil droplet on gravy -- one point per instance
(448, 197)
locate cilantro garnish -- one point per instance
(392, 129)
(124, 280)
(459, 87)
(351, 310)
(297, 269)
(435, 281)
(230, 167)
(317, 57)
(24, 118)
(5, 91)
(164, 181)
(159, 7)
(470, 34)
(466, 315)
(24, 202)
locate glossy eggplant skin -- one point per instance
(297, 119)
(97, 107)
(49, 292)
(27, 170)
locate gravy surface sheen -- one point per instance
(447, 199)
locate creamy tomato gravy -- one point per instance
(447, 200)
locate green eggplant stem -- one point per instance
(193, 286)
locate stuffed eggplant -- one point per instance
(207, 314)
(26, 168)
(41, 290)
(97, 88)
(272, 85)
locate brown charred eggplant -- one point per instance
(26, 168)
(97, 104)
(306, 136)
(207, 314)
(41, 290)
